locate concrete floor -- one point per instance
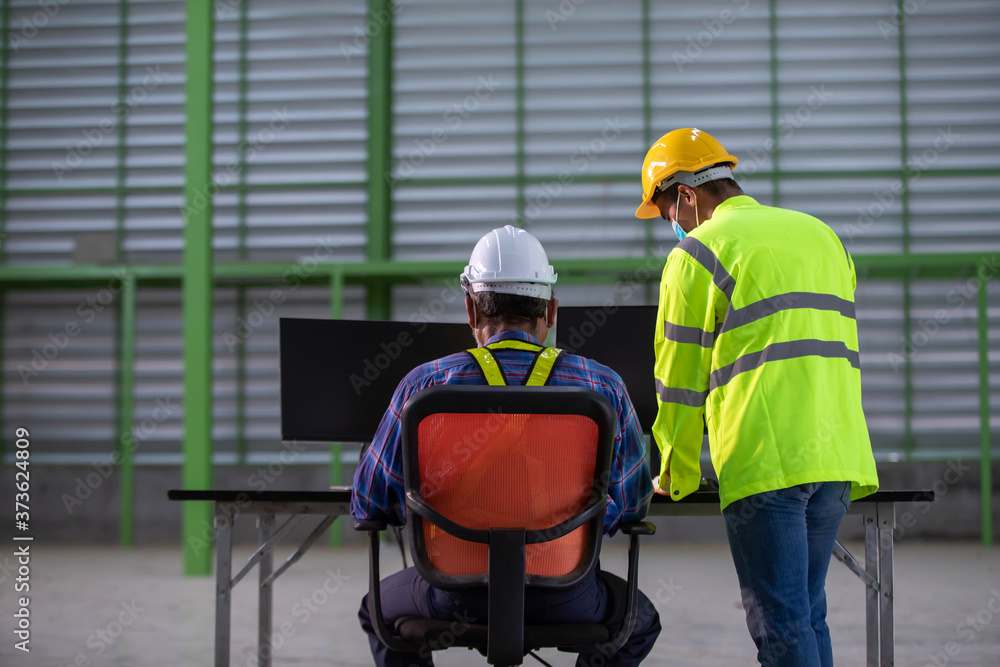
(107, 606)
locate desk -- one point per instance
(877, 510)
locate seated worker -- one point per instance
(508, 287)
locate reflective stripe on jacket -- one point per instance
(757, 339)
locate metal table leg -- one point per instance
(223, 572)
(265, 524)
(298, 553)
(886, 513)
(872, 597)
(844, 556)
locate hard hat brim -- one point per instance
(647, 210)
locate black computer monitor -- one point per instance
(620, 337)
(337, 376)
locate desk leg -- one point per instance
(886, 524)
(223, 574)
(265, 523)
(871, 593)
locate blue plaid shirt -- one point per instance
(378, 482)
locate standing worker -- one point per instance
(756, 338)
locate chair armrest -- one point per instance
(634, 529)
(637, 528)
(369, 524)
(383, 633)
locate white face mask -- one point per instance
(677, 228)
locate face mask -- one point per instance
(677, 228)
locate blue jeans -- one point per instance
(599, 598)
(781, 543)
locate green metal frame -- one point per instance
(198, 276)
(380, 152)
(916, 265)
(197, 284)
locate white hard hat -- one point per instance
(510, 261)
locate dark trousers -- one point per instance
(599, 598)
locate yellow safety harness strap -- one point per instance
(488, 366)
(541, 370)
(539, 373)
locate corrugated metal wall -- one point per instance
(536, 113)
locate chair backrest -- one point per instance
(506, 457)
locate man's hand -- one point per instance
(665, 490)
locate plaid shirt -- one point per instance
(378, 482)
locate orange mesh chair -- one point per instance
(506, 487)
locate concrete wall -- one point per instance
(80, 504)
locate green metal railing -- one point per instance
(198, 275)
(197, 357)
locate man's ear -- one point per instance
(550, 312)
(470, 310)
(687, 194)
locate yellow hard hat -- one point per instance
(685, 150)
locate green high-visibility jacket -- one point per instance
(757, 339)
